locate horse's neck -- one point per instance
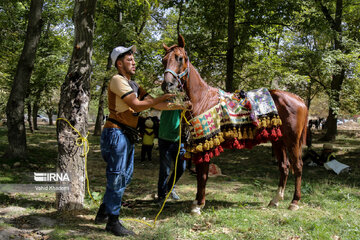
(202, 96)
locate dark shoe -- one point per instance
(116, 228)
(174, 195)
(101, 216)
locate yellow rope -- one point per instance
(84, 141)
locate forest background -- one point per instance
(299, 46)
(310, 48)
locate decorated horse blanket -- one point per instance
(238, 121)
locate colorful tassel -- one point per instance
(239, 134)
(236, 144)
(187, 155)
(221, 137)
(273, 136)
(278, 131)
(220, 149)
(211, 143)
(274, 122)
(268, 122)
(264, 134)
(216, 151)
(245, 136)
(206, 157)
(206, 145)
(251, 136)
(199, 148)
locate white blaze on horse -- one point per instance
(214, 112)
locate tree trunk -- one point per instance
(337, 78)
(331, 122)
(229, 84)
(73, 106)
(15, 105)
(29, 117)
(36, 111)
(308, 94)
(100, 115)
(49, 113)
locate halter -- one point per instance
(180, 75)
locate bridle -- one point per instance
(180, 75)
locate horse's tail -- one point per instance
(302, 139)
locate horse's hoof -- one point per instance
(196, 211)
(195, 208)
(273, 204)
(293, 207)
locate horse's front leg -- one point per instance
(202, 170)
(283, 164)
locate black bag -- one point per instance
(131, 133)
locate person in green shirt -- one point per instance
(168, 149)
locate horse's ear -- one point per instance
(181, 41)
(166, 47)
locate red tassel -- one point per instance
(264, 135)
(273, 136)
(278, 131)
(220, 149)
(236, 144)
(216, 152)
(206, 158)
(211, 154)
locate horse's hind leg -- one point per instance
(202, 170)
(297, 165)
(283, 163)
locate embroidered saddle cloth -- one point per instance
(235, 118)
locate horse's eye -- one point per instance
(180, 59)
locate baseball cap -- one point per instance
(120, 50)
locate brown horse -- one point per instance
(291, 109)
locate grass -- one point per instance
(236, 206)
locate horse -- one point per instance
(180, 73)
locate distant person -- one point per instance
(327, 154)
(147, 140)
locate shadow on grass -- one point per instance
(25, 202)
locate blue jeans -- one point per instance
(168, 151)
(118, 153)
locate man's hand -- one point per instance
(167, 96)
(188, 105)
(175, 106)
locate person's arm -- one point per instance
(170, 106)
(148, 102)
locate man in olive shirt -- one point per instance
(168, 149)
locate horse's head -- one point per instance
(176, 64)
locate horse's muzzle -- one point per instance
(168, 87)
